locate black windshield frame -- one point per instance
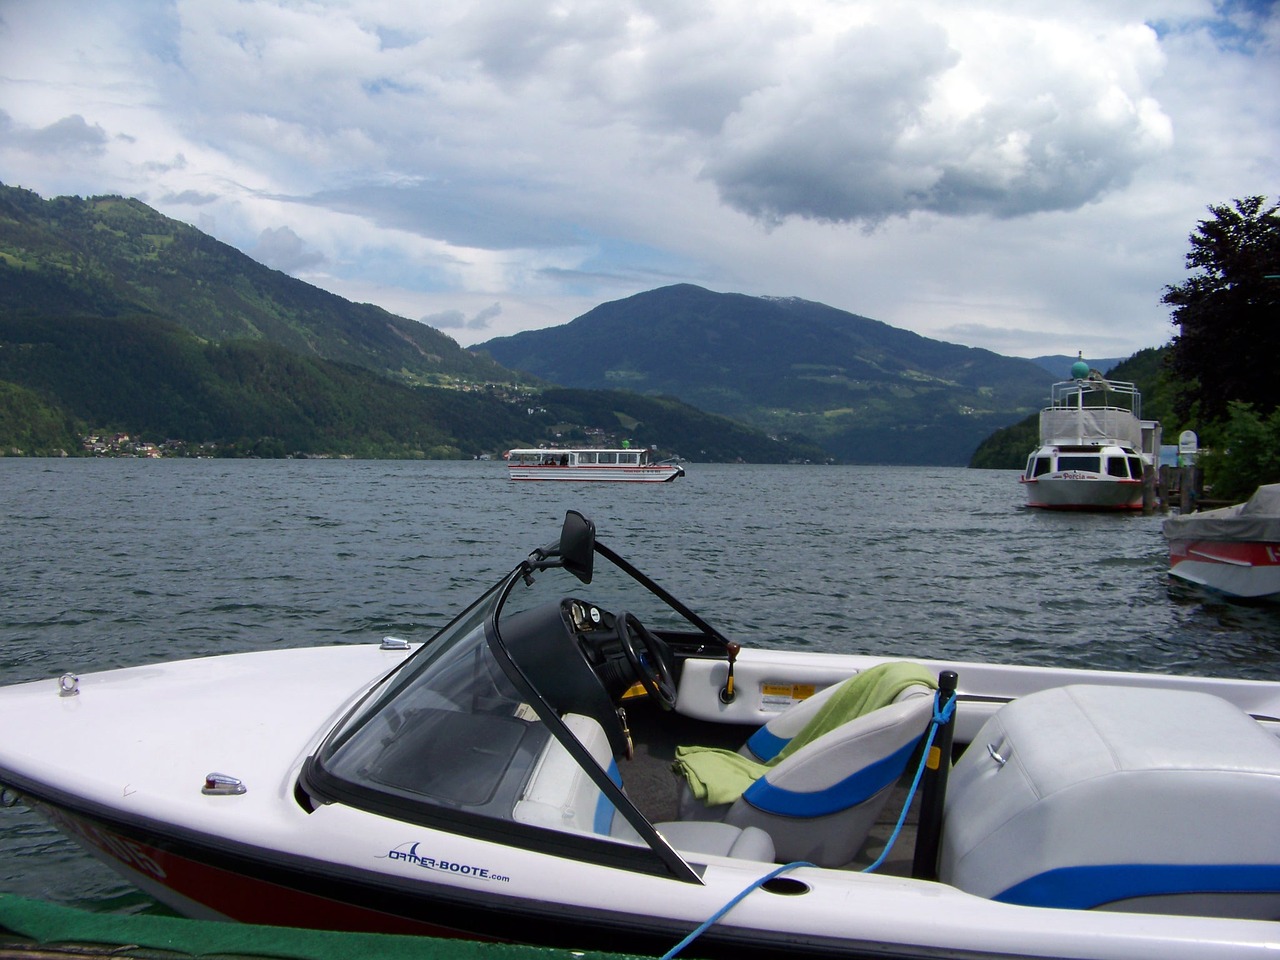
(653, 855)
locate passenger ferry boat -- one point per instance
(1092, 455)
(590, 463)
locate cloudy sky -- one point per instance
(1021, 176)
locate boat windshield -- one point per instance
(502, 726)
(450, 732)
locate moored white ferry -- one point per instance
(1092, 455)
(589, 463)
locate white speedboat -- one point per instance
(512, 779)
(589, 463)
(1234, 550)
(1094, 446)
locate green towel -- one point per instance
(718, 776)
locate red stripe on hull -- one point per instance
(1218, 551)
(236, 895)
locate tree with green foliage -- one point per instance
(1245, 454)
(1228, 313)
(1223, 362)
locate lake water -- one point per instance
(110, 563)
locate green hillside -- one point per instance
(64, 377)
(865, 391)
(112, 257)
(117, 320)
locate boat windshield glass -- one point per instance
(1086, 464)
(502, 719)
(450, 736)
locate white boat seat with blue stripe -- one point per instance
(1118, 798)
(820, 803)
(766, 742)
(560, 795)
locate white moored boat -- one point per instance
(1233, 550)
(514, 778)
(1094, 446)
(589, 463)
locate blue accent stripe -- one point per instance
(852, 790)
(765, 745)
(602, 823)
(1085, 887)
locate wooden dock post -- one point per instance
(1190, 484)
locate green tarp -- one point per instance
(48, 923)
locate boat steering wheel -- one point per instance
(652, 664)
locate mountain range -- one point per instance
(114, 317)
(864, 391)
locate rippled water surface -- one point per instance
(111, 563)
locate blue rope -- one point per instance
(939, 717)
(707, 924)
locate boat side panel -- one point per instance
(768, 681)
(834, 913)
(653, 474)
(1064, 491)
(1237, 569)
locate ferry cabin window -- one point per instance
(608, 458)
(1135, 468)
(1037, 466)
(1085, 464)
(587, 457)
(629, 459)
(1117, 467)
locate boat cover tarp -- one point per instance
(1065, 425)
(49, 923)
(1256, 520)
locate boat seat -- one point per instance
(560, 795)
(1118, 798)
(820, 802)
(718, 839)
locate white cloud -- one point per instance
(283, 249)
(71, 135)
(972, 170)
(457, 320)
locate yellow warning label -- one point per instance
(791, 692)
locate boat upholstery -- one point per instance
(560, 795)
(820, 803)
(1111, 797)
(718, 839)
(770, 739)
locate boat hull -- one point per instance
(101, 768)
(1081, 491)
(1246, 570)
(653, 473)
(207, 877)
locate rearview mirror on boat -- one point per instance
(578, 545)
